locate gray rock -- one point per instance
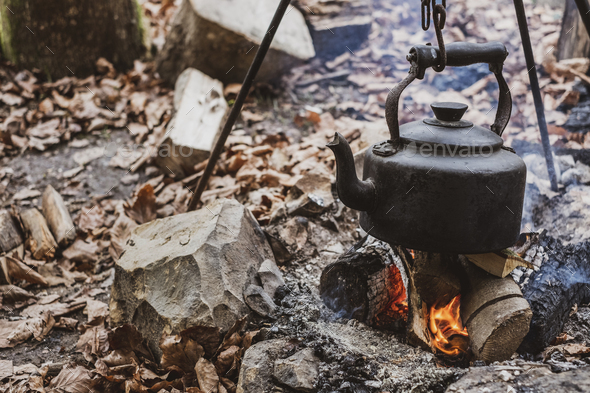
(299, 371)
(271, 277)
(188, 270)
(256, 370)
(311, 195)
(259, 301)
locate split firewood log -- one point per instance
(499, 263)
(58, 217)
(496, 315)
(10, 234)
(39, 238)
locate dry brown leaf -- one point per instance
(82, 251)
(120, 232)
(12, 294)
(16, 332)
(93, 341)
(91, 219)
(97, 311)
(45, 130)
(143, 209)
(208, 337)
(20, 271)
(120, 357)
(71, 380)
(207, 376)
(228, 360)
(181, 352)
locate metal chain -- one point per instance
(439, 16)
(425, 14)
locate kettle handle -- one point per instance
(422, 57)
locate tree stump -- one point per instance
(573, 38)
(66, 37)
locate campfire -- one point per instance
(443, 302)
(448, 333)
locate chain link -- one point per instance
(439, 16)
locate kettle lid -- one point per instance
(447, 128)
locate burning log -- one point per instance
(365, 284)
(496, 315)
(433, 275)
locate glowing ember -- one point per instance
(449, 335)
(397, 308)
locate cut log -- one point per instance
(495, 314)
(573, 39)
(365, 283)
(552, 291)
(221, 37)
(199, 113)
(39, 238)
(74, 37)
(10, 234)
(499, 263)
(58, 217)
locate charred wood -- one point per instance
(360, 284)
(562, 281)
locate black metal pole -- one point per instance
(237, 107)
(584, 13)
(532, 71)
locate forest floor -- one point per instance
(92, 138)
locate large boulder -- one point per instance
(190, 269)
(220, 38)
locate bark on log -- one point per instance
(39, 238)
(65, 37)
(58, 217)
(221, 37)
(199, 113)
(573, 39)
(495, 314)
(562, 281)
(10, 234)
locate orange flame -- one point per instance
(449, 335)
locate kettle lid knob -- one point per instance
(448, 111)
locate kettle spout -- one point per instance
(353, 192)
